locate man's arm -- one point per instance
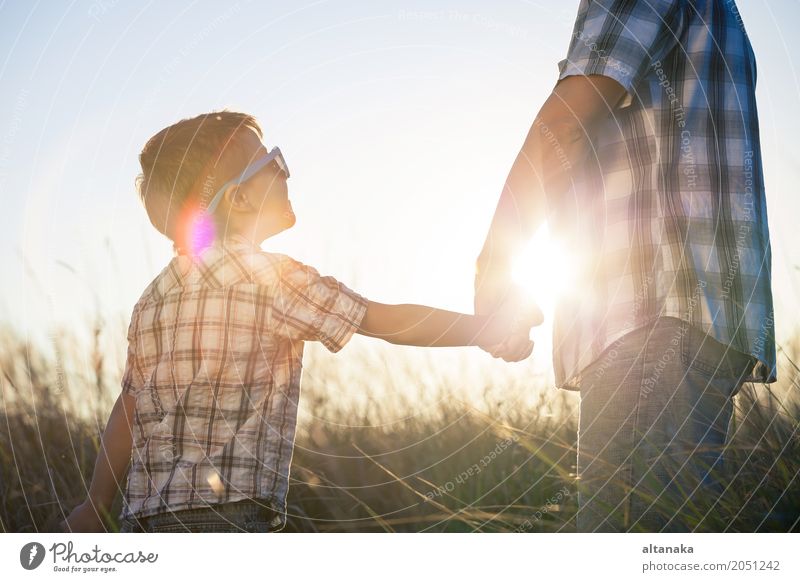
(557, 142)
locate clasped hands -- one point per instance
(496, 294)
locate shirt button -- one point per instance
(166, 452)
(160, 428)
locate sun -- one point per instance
(544, 269)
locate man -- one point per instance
(645, 161)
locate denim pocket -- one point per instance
(704, 354)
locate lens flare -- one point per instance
(544, 269)
(196, 230)
(203, 233)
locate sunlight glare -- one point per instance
(544, 269)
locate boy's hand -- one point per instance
(83, 518)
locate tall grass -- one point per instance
(385, 462)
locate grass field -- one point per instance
(384, 462)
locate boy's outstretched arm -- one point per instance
(420, 325)
(110, 469)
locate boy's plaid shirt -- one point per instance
(215, 349)
(669, 217)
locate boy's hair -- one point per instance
(187, 162)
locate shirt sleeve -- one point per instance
(132, 380)
(622, 39)
(308, 306)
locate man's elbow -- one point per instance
(561, 132)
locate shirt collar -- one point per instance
(236, 239)
(180, 268)
(233, 240)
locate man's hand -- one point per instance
(514, 349)
(507, 300)
(84, 518)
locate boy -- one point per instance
(215, 343)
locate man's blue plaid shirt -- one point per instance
(669, 218)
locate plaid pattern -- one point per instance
(215, 349)
(669, 217)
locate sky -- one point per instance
(399, 122)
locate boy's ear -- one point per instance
(236, 198)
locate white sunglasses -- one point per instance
(275, 155)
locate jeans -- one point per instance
(654, 416)
(247, 515)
